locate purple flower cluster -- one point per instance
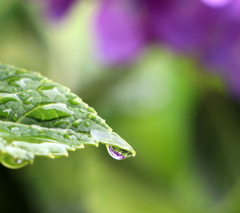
(206, 29)
(57, 9)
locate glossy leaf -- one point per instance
(41, 118)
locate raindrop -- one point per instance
(117, 153)
(5, 97)
(75, 101)
(5, 113)
(22, 82)
(90, 109)
(50, 112)
(66, 136)
(72, 137)
(50, 93)
(13, 163)
(28, 101)
(15, 117)
(86, 124)
(76, 122)
(57, 123)
(92, 116)
(13, 128)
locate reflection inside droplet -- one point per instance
(12, 163)
(117, 153)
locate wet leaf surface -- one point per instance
(41, 118)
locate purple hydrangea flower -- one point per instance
(206, 29)
(57, 9)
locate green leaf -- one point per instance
(41, 118)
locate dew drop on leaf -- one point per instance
(92, 116)
(13, 163)
(76, 122)
(75, 101)
(50, 112)
(5, 97)
(5, 113)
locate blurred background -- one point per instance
(163, 74)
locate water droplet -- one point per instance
(28, 101)
(72, 137)
(66, 136)
(117, 153)
(90, 109)
(13, 163)
(86, 124)
(13, 128)
(15, 117)
(76, 122)
(92, 116)
(5, 97)
(50, 112)
(83, 110)
(57, 123)
(75, 101)
(5, 113)
(50, 93)
(22, 82)
(115, 140)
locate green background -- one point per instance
(178, 117)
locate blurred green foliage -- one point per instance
(179, 119)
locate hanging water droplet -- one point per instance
(13, 163)
(117, 153)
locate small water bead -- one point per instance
(117, 153)
(83, 110)
(67, 136)
(72, 137)
(57, 123)
(76, 122)
(5, 113)
(28, 101)
(50, 112)
(13, 163)
(92, 116)
(6, 97)
(15, 117)
(51, 93)
(13, 128)
(22, 82)
(75, 101)
(90, 109)
(86, 124)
